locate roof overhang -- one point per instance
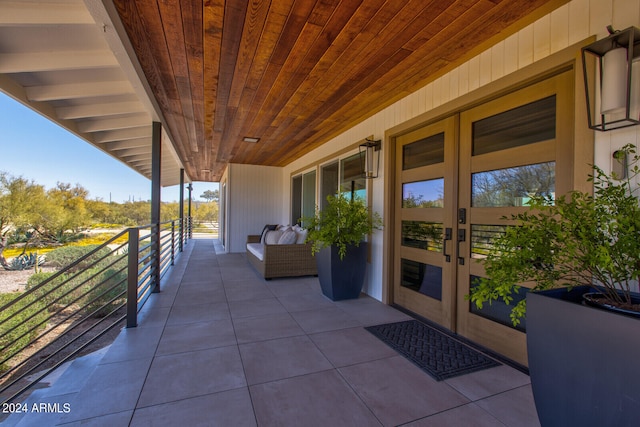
(69, 61)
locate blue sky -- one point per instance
(37, 149)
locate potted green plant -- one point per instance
(337, 234)
(582, 360)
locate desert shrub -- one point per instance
(63, 256)
(58, 291)
(91, 288)
(33, 316)
(106, 286)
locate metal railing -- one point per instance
(55, 320)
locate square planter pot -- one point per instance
(583, 361)
(342, 279)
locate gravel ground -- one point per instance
(15, 281)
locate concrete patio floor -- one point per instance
(219, 346)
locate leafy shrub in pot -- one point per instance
(577, 239)
(344, 221)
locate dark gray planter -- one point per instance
(342, 279)
(583, 361)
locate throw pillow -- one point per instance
(288, 237)
(265, 229)
(272, 237)
(302, 236)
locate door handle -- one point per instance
(447, 236)
(462, 236)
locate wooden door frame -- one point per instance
(564, 60)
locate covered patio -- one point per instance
(221, 346)
(273, 100)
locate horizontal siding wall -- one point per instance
(567, 25)
(255, 199)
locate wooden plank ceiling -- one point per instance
(296, 73)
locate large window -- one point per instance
(329, 184)
(343, 175)
(351, 181)
(296, 199)
(309, 194)
(303, 196)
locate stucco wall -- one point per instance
(569, 24)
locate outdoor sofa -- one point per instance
(281, 251)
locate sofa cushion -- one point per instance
(289, 237)
(272, 237)
(257, 249)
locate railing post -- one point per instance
(173, 241)
(181, 209)
(181, 238)
(132, 278)
(155, 257)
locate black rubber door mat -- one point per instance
(434, 352)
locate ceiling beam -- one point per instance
(126, 144)
(78, 90)
(137, 151)
(99, 110)
(122, 134)
(96, 125)
(43, 13)
(56, 61)
(146, 157)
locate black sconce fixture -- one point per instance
(370, 158)
(612, 80)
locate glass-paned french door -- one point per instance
(456, 180)
(426, 185)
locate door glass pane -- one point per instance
(423, 278)
(512, 186)
(352, 183)
(422, 235)
(423, 194)
(427, 151)
(524, 125)
(498, 311)
(482, 237)
(329, 184)
(309, 194)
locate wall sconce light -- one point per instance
(370, 158)
(612, 80)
